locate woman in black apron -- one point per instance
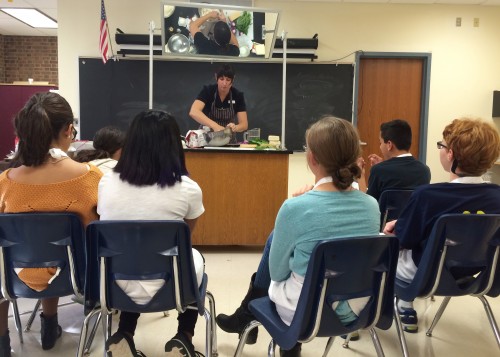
(219, 106)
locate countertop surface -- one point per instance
(239, 150)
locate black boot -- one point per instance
(5, 345)
(50, 331)
(294, 352)
(237, 322)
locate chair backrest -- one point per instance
(391, 204)
(460, 258)
(343, 269)
(34, 240)
(141, 250)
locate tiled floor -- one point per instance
(463, 331)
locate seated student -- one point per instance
(468, 149)
(47, 181)
(108, 143)
(331, 209)
(224, 42)
(398, 169)
(150, 182)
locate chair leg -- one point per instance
(346, 342)
(399, 329)
(329, 345)
(439, 313)
(17, 320)
(83, 333)
(376, 343)
(491, 318)
(33, 315)
(109, 324)
(106, 319)
(211, 304)
(91, 337)
(271, 349)
(244, 335)
(208, 334)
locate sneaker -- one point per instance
(180, 346)
(409, 320)
(354, 336)
(121, 345)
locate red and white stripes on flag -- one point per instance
(103, 34)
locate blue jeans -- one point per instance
(263, 276)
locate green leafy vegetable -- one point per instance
(243, 22)
(258, 142)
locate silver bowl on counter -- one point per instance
(218, 138)
(178, 43)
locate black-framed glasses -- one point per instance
(440, 145)
(74, 132)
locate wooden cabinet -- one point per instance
(12, 99)
(242, 193)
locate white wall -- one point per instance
(465, 59)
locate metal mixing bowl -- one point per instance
(178, 43)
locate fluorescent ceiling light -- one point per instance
(31, 17)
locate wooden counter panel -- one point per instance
(242, 193)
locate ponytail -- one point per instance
(40, 122)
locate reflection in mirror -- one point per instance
(198, 29)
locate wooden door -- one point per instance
(389, 88)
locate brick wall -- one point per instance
(30, 57)
(2, 60)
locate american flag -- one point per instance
(103, 40)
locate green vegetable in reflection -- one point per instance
(243, 22)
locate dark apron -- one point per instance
(223, 116)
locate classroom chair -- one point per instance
(391, 204)
(31, 240)
(339, 269)
(135, 250)
(460, 258)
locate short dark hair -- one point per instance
(41, 120)
(152, 153)
(222, 33)
(225, 71)
(107, 141)
(398, 131)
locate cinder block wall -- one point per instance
(2, 60)
(26, 57)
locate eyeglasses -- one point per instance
(74, 132)
(440, 145)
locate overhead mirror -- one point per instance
(211, 30)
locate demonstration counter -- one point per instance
(243, 190)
